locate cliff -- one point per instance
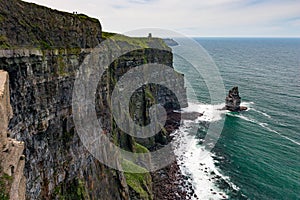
(12, 180)
(29, 25)
(42, 50)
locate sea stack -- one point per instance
(233, 101)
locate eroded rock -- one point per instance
(233, 101)
(11, 151)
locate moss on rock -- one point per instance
(139, 182)
(106, 35)
(140, 148)
(73, 190)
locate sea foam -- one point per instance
(200, 169)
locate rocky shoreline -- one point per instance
(169, 182)
(42, 66)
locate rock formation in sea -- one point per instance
(41, 50)
(233, 100)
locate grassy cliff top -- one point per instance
(28, 25)
(25, 24)
(140, 42)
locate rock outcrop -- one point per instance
(41, 50)
(12, 160)
(233, 100)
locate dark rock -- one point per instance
(233, 101)
(190, 115)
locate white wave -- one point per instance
(247, 104)
(198, 170)
(292, 140)
(202, 170)
(242, 117)
(210, 112)
(263, 125)
(283, 136)
(262, 113)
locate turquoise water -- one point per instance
(259, 149)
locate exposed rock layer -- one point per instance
(12, 160)
(57, 164)
(41, 93)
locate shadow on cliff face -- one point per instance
(42, 50)
(41, 93)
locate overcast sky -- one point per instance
(254, 18)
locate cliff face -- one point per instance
(57, 165)
(12, 180)
(6, 111)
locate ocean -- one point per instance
(258, 153)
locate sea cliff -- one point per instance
(42, 49)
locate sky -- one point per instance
(202, 18)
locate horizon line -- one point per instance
(245, 36)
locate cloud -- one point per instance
(140, 1)
(192, 17)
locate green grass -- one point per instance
(133, 41)
(106, 35)
(149, 95)
(4, 42)
(1, 18)
(85, 17)
(140, 149)
(61, 65)
(73, 190)
(139, 182)
(140, 42)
